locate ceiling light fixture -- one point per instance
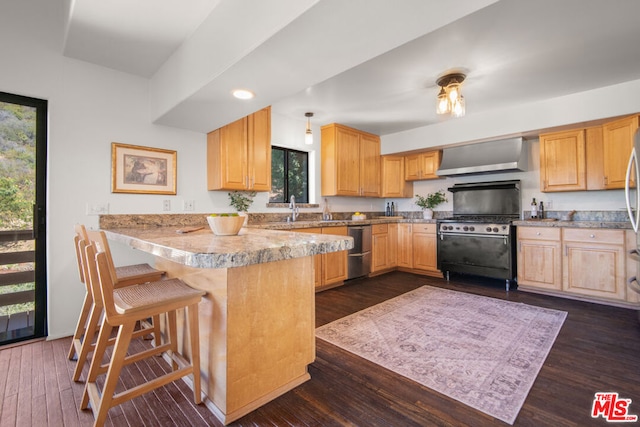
(243, 94)
(308, 136)
(450, 100)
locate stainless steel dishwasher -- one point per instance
(360, 256)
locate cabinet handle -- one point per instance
(538, 233)
(592, 236)
(566, 250)
(604, 180)
(519, 246)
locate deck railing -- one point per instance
(17, 279)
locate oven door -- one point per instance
(482, 255)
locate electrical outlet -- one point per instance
(166, 205)
(97, 208)
(188, 205)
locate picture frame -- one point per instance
(143, 170)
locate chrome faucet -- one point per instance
(295, 211)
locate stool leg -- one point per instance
(96, 362)
(87, 342)
(194, 340)
(173, 337)
(113, 374)
(157, 336)
(80, 327)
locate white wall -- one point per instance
(91, 106)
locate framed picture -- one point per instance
(145, 170)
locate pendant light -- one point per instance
(308, 136)
(450, 99)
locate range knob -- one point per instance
(495, 229)
(472, 228)
(465, 228)
(488, 229)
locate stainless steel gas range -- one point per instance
(480, 239)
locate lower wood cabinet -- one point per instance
(405, 246)
(539, 257)
(384, 247)
(330, 269)
(594, 263)
(425, 253)
(585, 262)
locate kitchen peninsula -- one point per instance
(257, 320)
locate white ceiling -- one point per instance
(370, 64)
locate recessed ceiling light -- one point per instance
(243, 94)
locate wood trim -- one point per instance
(17, 257)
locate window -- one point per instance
(289, 175)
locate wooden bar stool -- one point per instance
(124, 307)
(83, 338)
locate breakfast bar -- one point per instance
(257, 320)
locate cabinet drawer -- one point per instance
(595, 235)
(538, 233)
(379, 228)
(424, 228)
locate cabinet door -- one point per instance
(392, 248)
(562, 161)
(430, 162)
(334, 268)
(412, 167)
(347, 162)
(369, 165)
(380, 252)
(618, 142)
(227, 157)
(393, 181)
(259, 150)
(539, 258)
(405, 246)
(594, 263)
(425, 247)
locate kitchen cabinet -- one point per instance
(594, 263)
(239, 154)
(618, 143)
(350, 162)
(330, 269)
(384, 247)
(539, 257)
(593, 158)
(405, 246)
(562, 161)
(425, 247)
(394, 183)
(421, 166)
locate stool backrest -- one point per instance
(99, 272)
(81, 234)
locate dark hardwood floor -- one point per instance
(598, 349)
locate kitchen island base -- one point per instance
(257, 331)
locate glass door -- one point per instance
(23, 142)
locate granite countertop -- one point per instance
(613, 225)
(282, 225)
(203, 249)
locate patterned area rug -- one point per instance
(483, 352)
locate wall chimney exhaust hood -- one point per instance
(505, 155)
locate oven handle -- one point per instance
(491, 236)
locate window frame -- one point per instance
(286, 152)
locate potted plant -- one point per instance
(429, 202)
(241, 201)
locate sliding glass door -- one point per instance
(23, 142)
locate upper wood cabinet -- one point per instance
(350, 162)
(422, 165)
(562, 161)
(618, 143)
(239, 154)
(592, 158)
(393, 181)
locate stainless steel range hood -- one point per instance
(503, 155)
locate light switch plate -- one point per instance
(98, 208)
